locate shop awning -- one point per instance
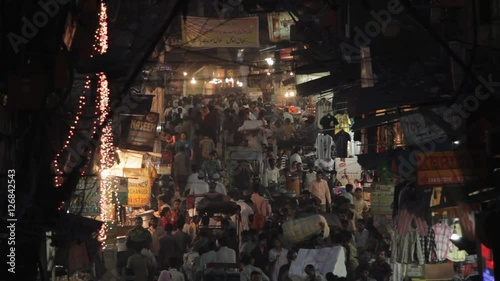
(348, 74)
(373, 121)
(369, 100)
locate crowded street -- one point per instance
(250, 140)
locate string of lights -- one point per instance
(107, 186)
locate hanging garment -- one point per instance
(322, 108)
(429, 246)
(328, 122)
(454, 254)
(341, 142)
(407, 248)
(404, 220)
(443, 233)
(344, 123)
(324, 146)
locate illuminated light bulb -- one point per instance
(193, 81)
(185, 73)
(291, 73)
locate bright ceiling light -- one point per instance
(193, 81)
(291, 73)
(270, 61)
(269, 73)
(185, 73)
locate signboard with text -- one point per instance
(139, 132)
(139, 187)
(449, 167)
(348, 169)
(85, 200)
(381, 200)
(203, 32)
(419, 129)
(279, 26)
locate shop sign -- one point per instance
(254, 96)
(200, 32)
(382, 198)
(139, 132)
(122, 187)
(279, 26)
(449, 176)
(449, 167)
(86, 198)
(139, 187)
(419, 129)
(348, 169)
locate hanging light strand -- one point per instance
(100, 46)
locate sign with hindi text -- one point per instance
(203, 32)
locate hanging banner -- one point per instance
(279, 26)
(85, 201)
(212, 32)
(450, 167)
(419, 129)
(139, 132)
(381, 200)
(139, 187)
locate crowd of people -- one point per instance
(181, 244)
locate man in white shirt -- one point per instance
(225, 254)
(348, 194)
(287, 115)
(248, 268)
(319, 188)
(272, 173)
(198, 187)
(245, 213)
(175, 274)
(361, 235)
(296, 156)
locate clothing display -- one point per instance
(344, 123)
(328, 122)
(323, 146)
(454, 254)
(407, 248)
(443, 233)
(429, 246)
(341, 143)
(322, 107)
